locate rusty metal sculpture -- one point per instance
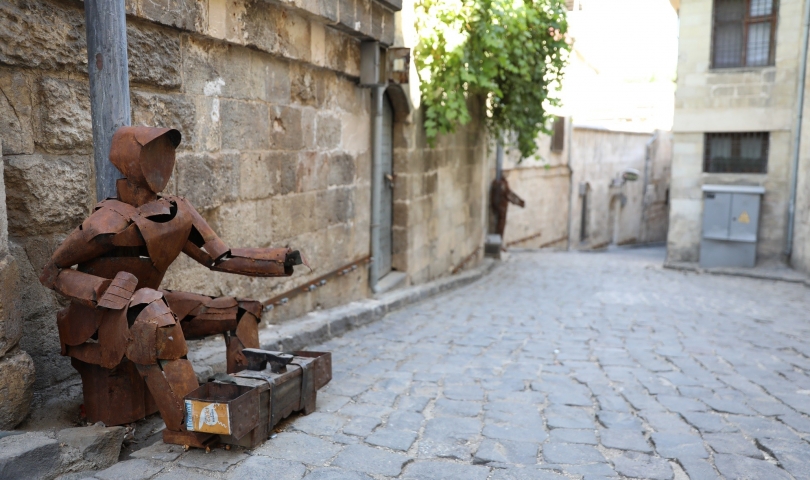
(125, 336)
(500, 196)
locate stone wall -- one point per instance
(275, 151)
(550, 185)
(544, 184)
(16, 366)
(616, 211)
(440, 198)
(731, 100)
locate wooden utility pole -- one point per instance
(106, 28)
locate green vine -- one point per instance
(510, 51)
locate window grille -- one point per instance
(744, 33)
(736, 152)
(558, 135)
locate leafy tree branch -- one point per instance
(511, 51)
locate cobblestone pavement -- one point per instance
(557, 365)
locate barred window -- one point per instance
(736, 152)
(744, 33)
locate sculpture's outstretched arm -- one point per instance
(95, 237)
(513, 198)
(207, 248)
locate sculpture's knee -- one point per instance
(155, 333)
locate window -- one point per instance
(736, 153)
(558, 135)
(744, 33)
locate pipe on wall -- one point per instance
(376, 181)
(107, 66)
(648, 164)
(797, 134)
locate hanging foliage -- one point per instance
(511, 51)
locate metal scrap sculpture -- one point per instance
(501, 196)
(126, 336)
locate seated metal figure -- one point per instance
(125, 336)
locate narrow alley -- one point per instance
(556, 365)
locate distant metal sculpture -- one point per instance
(500, 196)
(125, 336)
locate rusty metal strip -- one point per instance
(308, 392)
(466, 260)
(524, 239)
(313, 284)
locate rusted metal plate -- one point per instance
(248, 331)
(104, 221)
(169, 404)
(146, 296)
(129, 237)
(107, 267)
(141, 348)
(180, 375)
(196, 328)
(197, 254)
(113, 337)
(252, 267)
(274, 254)
(86, 352)
(170, 343)
(165, 240)
(222, 302)
(235, 360)
(80, 287)
(157, 208)
(145, 155)
(78, 323)
(222, 408)
(182, 303)
(118, 294)
(253, 307)
(115, 396)
(217, 315)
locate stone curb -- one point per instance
(753, 273)
(208, 356)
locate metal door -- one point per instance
(387, 197)
(717, 207)
(744, 217)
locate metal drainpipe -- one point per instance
(499, 160)
(376, 182)
(570, 142)
(797, 135)
(647, 164)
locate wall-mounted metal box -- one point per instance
(730, 225)
(373, 64)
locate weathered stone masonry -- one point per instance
(275, 151)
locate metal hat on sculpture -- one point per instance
(145, 155)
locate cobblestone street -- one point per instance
(556, 365)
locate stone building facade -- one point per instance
(718, 94)
(575, 196)
(276, 148)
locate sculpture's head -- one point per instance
(145, 155)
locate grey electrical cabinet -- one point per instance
(730, 225)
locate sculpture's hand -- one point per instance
(119, 293)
